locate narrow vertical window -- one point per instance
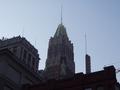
(24, 55)
(14, 50)
(33, 63)
(29, 59)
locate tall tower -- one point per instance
(88, 63)
(60, 58)
(87, 59)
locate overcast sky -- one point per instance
(37, 20)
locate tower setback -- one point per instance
(60, 58)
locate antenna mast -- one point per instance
(61, 13)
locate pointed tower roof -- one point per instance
(61, 31)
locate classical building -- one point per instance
(60, 59)
(18, 63)
(24, 51)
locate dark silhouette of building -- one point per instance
(59, 73)
(101, 80)
(18, 63)
(60, 59)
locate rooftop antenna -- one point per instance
(61, 13)
(85, 44)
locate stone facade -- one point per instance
(19, 62)
(60, 59)
(21, 48)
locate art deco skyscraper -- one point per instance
(60, 59)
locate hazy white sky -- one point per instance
(37, 20)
